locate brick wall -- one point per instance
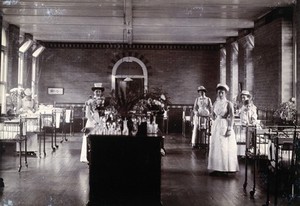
(269, 63)
(178, 71)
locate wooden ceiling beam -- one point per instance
(128, 20)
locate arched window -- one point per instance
(129, 74)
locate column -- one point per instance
(223, 65)
(232, 51)
(246, 73)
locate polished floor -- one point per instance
(60, 179)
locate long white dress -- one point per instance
(92, 119)
(202, 109)
(27, 110)
(223, 150)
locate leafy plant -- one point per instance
(123, 103)
(155, 99)
(13, 99)
(286, 112)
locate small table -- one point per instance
(125, 170)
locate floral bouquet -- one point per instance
(13, 99)
(155, 100)
(286, 113)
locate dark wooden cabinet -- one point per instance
(124, 170)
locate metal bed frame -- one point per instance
(13, 131)
(288, 141)
(277, 141)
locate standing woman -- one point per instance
(28, 109)
(202, 109)
(94, 109)
(222, 155)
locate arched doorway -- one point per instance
(135, 71)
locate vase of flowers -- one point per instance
(136, 108)
(13, 101)
(155, 101)
(286, 114)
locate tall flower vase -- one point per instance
(154, 119)
(125, 128)
(154, 125)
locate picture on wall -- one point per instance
(55, 90)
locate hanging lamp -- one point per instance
(128, 79)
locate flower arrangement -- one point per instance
(286, 113)
(13, 98)
(154, 100)
(123, 103)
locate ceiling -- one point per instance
(136, 21)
